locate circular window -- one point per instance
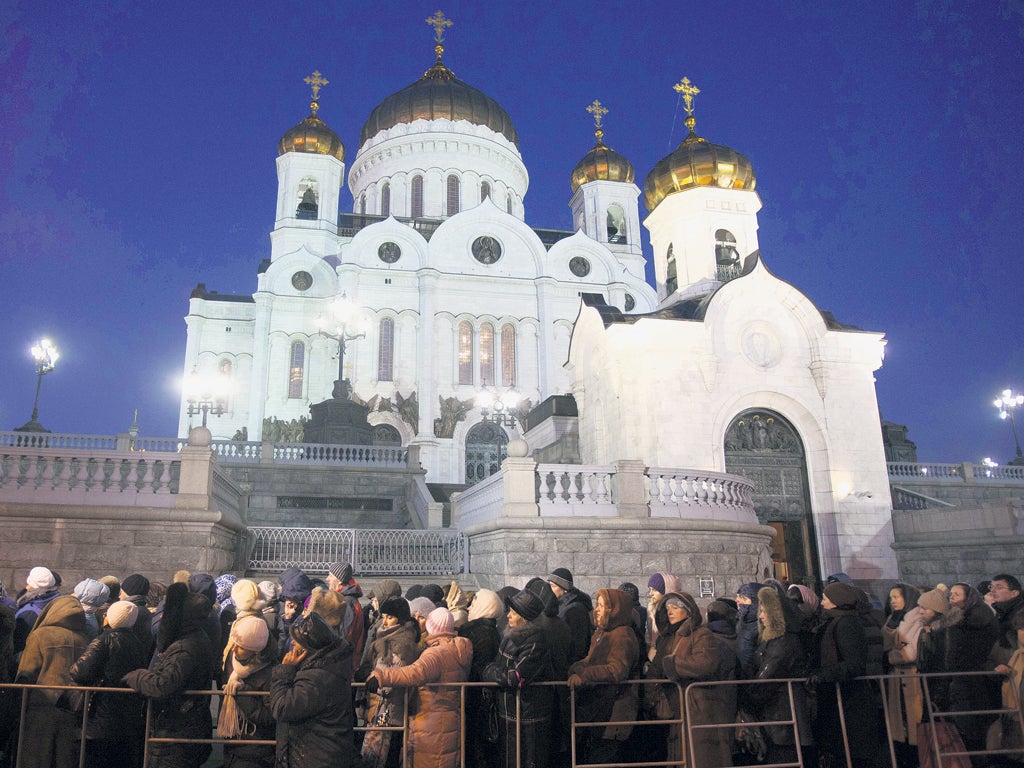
(486, 249)
(389, 252)
(302, 281)
(579, 266)
(630, 302)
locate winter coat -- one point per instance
(971, 633)
(143, 627)
(687, 653)
(1010, 614)
(312, 703)
(672, 584)
(574, 609)
(613, 656)
(26, 610)
(842, 655)
(111, 656)
(434, 710)
(779, 654)
(7, 665)
(353, 625)
(260, 719)
(904, 700)
(483, 635)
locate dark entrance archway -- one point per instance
(486, 448)
(763, 447)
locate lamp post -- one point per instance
(497, 409)
(337, 324)
(206, 394)
(45, 355)
(1006, 405)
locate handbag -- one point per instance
(948, 738)
(751, 739)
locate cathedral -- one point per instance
(434, 304)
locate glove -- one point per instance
(372, 685)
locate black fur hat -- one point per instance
(313, 633)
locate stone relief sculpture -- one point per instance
(759, 432)
(409, 410)
(277, 431)
(241, 436)
(453, 411)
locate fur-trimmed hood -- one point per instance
(773, 626)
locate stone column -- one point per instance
(519, 489)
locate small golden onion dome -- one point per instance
(602, 163)
(438, 95)
(312, 135)
(697, 162)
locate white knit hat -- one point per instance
(122, 614)
(40, 578)
(250, 633)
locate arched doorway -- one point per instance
(486, 448)
(385, 434)
(763, 447)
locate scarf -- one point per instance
(232, 723)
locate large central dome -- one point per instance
(439, 95)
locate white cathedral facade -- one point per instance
(721, 366)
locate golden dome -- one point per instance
(697, 162)
(438, 95)
(602, 163)
(312, 135)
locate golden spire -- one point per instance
(439, 23)
(316, 82)
(687, 90)
(598, 111)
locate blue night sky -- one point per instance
(137, 147)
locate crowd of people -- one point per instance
(300, 642)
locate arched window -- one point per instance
(417, 197)
(671, 281)
(485, 190)
(616, 224)
(385, 200)
(508, 356)
(486, 448)
(725, 247)
(308, 201)
(465, 353)
(487, 355)
(296, 369)
(362, 204)
(508, 203)
(453, 195)
(386, 350)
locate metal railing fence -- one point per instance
(681, 699)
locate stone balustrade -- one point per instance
(965, 472)
(68, 476)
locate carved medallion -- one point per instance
(302, 280)
(389, 252)
(760, 345)
(486, 249)
(579, 266)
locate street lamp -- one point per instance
(206, 394)
(45, 355)
(1006, 405)
(341, 315)
(497, 409)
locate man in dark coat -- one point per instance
(183, 662)
(134, 589)
(296, 587)
(574, 609)
(311, 698)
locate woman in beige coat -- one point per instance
(433, 709)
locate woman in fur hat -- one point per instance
(688, 652)
(184, 661)
(903, 699)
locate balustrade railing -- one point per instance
(340, 455)
(965, 472)
(96, 473)
(371, 551)
(567, 489)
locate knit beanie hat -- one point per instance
(842, 595)
(935, 600)
(341, 571)
(424, 606)
(416, 590)
(397, 607)
(250, 633)
(440, 621)
(92, 593)
(632, 590)
(386, 588)
(526, 604)
(486, 605)
(268, 591)
(312, 632)
(224, 584)
(562, 577)
(657, 583)
(245, 595)
(122, 614)
(40, 578)
(135, 585)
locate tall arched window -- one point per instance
(487, 355)
(308, 200)
(508, 203)
(671, 280)
(296, 369)
(508, 355)
(224, 368)
(362, 204)
(417, 197)
(616, 224)
(386, 350)
(465, 353)
(385, 200)
(453, 195)
(485, 190)
(725, 247)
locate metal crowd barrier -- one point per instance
(683, 698)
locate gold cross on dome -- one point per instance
(598, 111)
(316, 83)
(687, 90)
(439, 23)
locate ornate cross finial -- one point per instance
(598, 111)
(316, 82)
(439, 23)
(687, 90)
